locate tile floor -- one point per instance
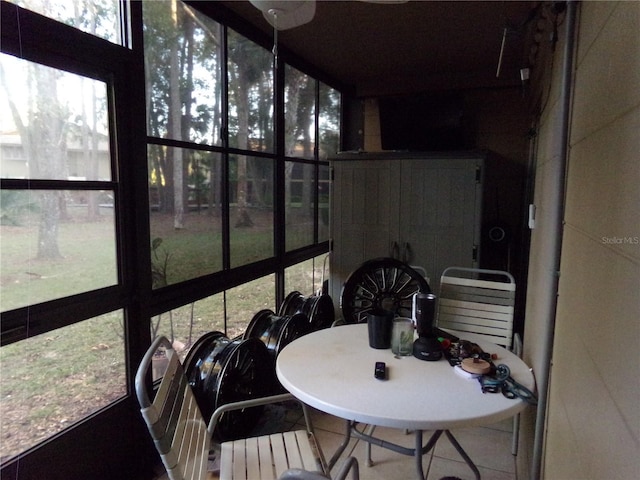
(489, 448)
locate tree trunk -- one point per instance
(307, 103)
(48, 136)
(44, 142)
(90, 154)
(48, 227)
(89, 136)
(176, 127)
(242, 103)
(293, 86)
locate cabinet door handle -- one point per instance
(394, 253)
(407, 254)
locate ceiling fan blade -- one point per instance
(285, 14)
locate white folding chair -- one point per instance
(481, 302)
(183, 439)
(478, 301)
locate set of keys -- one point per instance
(502, 382)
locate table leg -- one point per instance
(341, 447)
(463, 454)
(420, 450)
(419, 453)
(416, 452)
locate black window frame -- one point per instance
(117, 427)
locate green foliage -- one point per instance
(159, 264)
(14, 205)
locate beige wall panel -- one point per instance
(562, 450)
(592, 20)
(607, 82)
(592, 442)
(603, 199)
(593, 421)
(595, 316)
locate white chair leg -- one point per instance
(517, 349)
(516, 432)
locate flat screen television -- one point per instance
(423, 123)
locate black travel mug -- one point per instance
(425, 308)
(379, 325)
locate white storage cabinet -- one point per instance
(422, 209)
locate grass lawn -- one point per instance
(87, 262)
(49, 382)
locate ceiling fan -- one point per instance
(285, 14)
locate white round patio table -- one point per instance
(332, 370)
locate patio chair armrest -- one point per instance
(141, 374)
(254, 402)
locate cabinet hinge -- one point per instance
(474, 253)
(478, 174)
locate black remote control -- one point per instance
(381, 371)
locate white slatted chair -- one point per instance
(482, 302)
(183, 439)
(478, 301)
